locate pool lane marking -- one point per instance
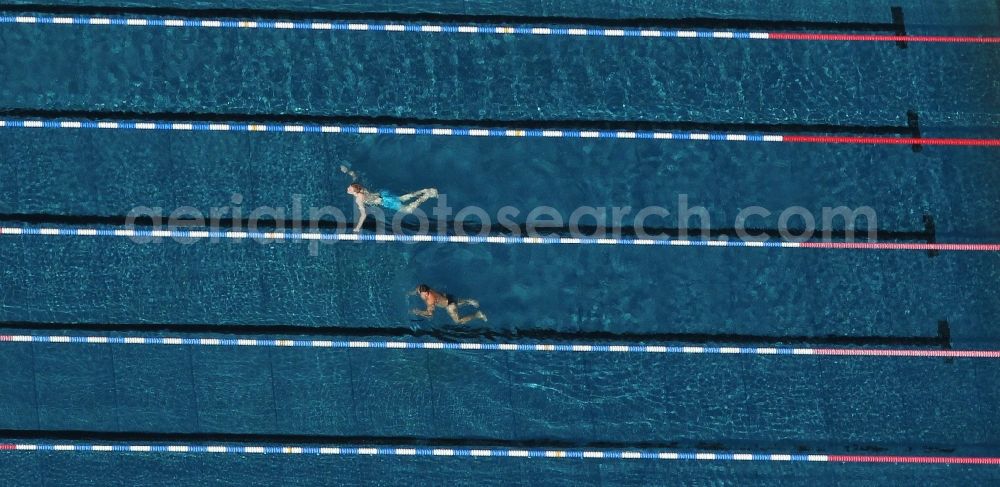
(422, 451)
(497, 346)
(513, 29)
(495, 239)
(491, 132)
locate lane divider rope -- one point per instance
(522, 30)
(492, 132)
(625, 454)
(497, 239)
(490, 346)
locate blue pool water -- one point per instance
(795, 404)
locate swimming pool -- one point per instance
(668, 362)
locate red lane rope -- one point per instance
(830, 139)
(904, 459)
(859, 352)
(988, 247)
(798, 36)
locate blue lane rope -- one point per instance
(495, 239)
(523, 30)
(385, 130)
(489, 346)
(418, 451)
(495, 132)
(232, 23)
(372, 237)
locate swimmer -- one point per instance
(364, 197)
(435, 299)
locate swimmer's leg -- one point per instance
(461, 320)
(417, 198)
(417, 194)
(409, 196)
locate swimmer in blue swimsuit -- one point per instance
(385, 199)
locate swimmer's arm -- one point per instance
(426, 313)
(362, 214)
(352, 174)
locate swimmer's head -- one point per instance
(423, 289)
(355, 188)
